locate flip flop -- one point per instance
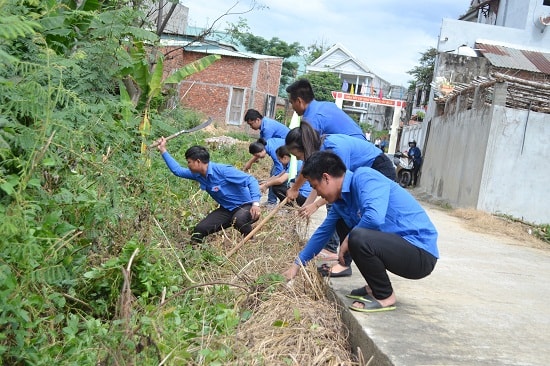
(371, 305)
(358, 293)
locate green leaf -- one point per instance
(192, 68)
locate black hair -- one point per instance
(282, 151)
(323, 162)
(303, 138)
(252, 115)
(301, 88)
(198, 153)
(257, 146)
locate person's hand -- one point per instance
(307, 210)
(263, 187)
(292, 194)
(161, 145)
(255, 212)
(291, 272)
(343, 250)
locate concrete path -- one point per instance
(486, 303)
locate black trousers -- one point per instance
(375, 252)
(280, 192)
(240, 218)
(385, 166)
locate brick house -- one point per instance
(230, 86)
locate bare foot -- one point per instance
(337, 268)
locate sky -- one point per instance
(387, 36)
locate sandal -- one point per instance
(370, 305)
(358, 293)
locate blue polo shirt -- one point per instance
(354, 152)
(327, 118)
(227, 185)
(371, 201)
(270, 128)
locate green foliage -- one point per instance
(423, 74)
(272, 47)
(323, 84)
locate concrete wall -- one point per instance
(455, 33)
(455, 154)
(516, 174)
(489, 157)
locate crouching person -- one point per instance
(378, 222)
(237, 193)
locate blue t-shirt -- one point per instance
(227, 185)
(305, 189)
(371, 201)
(270, 128)
(354, 152)
(271, 149)
(327, 118)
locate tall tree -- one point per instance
(423, 73)
(272, 47)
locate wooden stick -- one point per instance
(258, 227)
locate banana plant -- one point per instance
(143, 83)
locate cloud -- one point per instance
(388, 36)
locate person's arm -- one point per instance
(281, 178)
(171, 163)
(249, 163)
(293, 192)
(314, 245)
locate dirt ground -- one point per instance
(479, 221)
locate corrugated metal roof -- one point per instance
(515, 58)
(212, 49)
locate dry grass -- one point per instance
(290, 324)
(479, 221)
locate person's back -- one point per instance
(354, 152)
(269, 128)
(273, 129)
(325, 117)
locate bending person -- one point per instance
(381, 225)
(239, 199)
(280, 183)
(302, 142)
(259, 150)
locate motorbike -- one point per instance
(403, 168)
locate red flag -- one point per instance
(380, 95)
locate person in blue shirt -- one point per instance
(259, 150)
(280, 182)
(303, 141)
(415, 154)
(325, 117)
(381, 225)
(269, 128)
(237, 193)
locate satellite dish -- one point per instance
(545, 20)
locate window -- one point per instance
(236, 106)
(270, 106)
(546, 2)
